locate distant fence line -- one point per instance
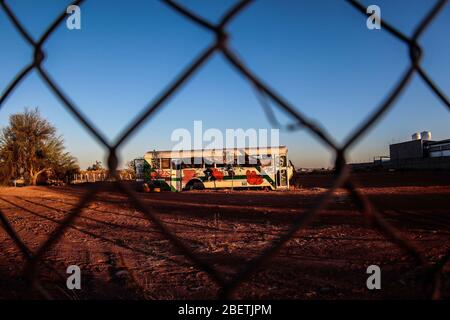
(438, 163)
(96, 176)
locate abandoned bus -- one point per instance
(267, 168)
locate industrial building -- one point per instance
(420, 153)
(420, 146)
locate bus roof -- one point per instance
(215, 152)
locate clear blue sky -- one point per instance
(318, 54)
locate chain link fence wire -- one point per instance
(267, 96)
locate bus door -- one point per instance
(229, 166)
(177, 175)
(281, 169)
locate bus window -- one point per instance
(192, 163)
(283, 162)
(251, 161)
(266, 160)
(165, 163)
(176, 164)
(240, 159)
(229, 159)
(209, 162)
(197, 162)
(221, 162)
(186, 163)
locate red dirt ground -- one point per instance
(122, 256)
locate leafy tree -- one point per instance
(29, 146)
(130, 169)
(97, 166)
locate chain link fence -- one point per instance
(342, 178)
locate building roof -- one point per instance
(437, 142)
(407, 142)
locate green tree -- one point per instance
(97, 166)
(130, 169)
(29, 146)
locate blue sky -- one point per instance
(318, 54)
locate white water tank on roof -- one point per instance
(416, 136)
(426, 135)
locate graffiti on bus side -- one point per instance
(159, 174)
(253, 178)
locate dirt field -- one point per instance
(122, 256)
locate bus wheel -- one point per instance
(198, 185)
(195, 185)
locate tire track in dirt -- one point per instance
(116, 242)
